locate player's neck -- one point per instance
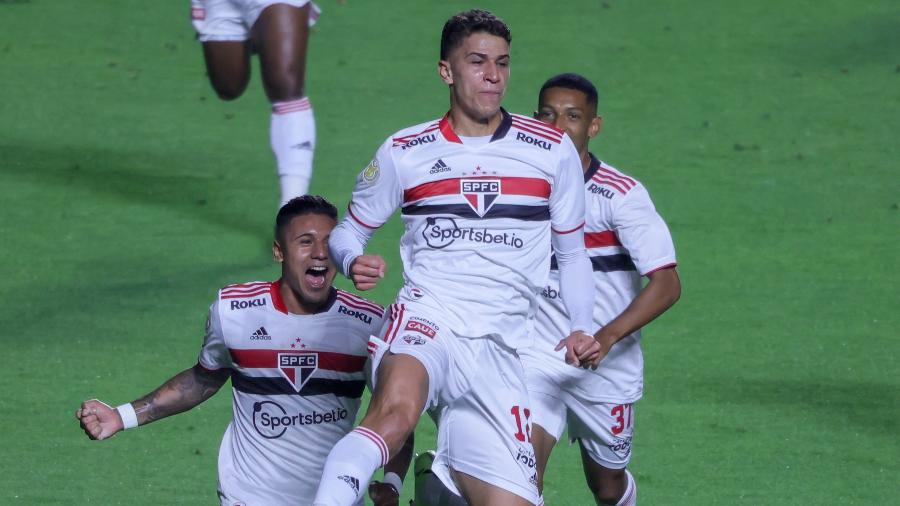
(585, 161)
(294, 304)
(467, 126)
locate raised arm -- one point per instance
(180, 393)
(376, 196)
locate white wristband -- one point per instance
(393, 479)
(129, 417)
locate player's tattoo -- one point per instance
(181, 393)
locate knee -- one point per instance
(606, 498)
(229, 91)
(284, 84)
(609, 488)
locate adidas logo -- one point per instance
(350, 480)
(260, 335)
(439, 166)
(303, 145)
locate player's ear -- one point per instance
(445, 72)
(596, 126)
(277, 253)
(534, 114)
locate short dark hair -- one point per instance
(460, 26)
(572, 81)
(299, 206)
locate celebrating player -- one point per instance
(626, 239)
(278, 30)
(295, 350)
(479, 191)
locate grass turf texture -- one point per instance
(762, 129)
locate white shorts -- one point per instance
(233, 492)
(605, 429)
(223, 20)
(478, 387)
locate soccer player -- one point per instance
(479, 191)
(295, 350)
(278, 30)
(627, 240)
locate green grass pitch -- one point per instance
(765, 130)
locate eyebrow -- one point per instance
(483, 55)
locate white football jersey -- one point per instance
(296, 380)
(626, 239)
(477, 218)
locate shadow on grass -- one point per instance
(848, 404)
(148, 179)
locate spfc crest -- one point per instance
(480, 193)
(297, 367)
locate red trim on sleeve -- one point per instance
(568, 231)
(667, 266)
(275, 293)
(361, 222)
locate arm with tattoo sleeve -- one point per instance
(180, 393)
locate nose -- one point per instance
(559, 123)
(320, 250)
(491, 73)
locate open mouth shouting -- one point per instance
(317, 277)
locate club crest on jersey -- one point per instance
(480, 193)
(297, 367)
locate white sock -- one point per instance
(349, 467)
(293, 137)
(629, 498)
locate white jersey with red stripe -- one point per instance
(297, 381)
(477, 218)
(626, 239)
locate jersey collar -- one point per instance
(592, 168)
(275, 293)
(278, 302)
(450, 135)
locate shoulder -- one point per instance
(354, 307)
(355, 300)
(614, 181)
(413, 136)
(245, 295)
(536, 133)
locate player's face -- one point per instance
(306, 266)
(569, 110)
(477, 72)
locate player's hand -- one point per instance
(366, 271)
(582, 350)
(383, 494)
(98, 420)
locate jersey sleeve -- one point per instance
(377, 193)
(214, 353)
(567, 195)
(643, 232)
